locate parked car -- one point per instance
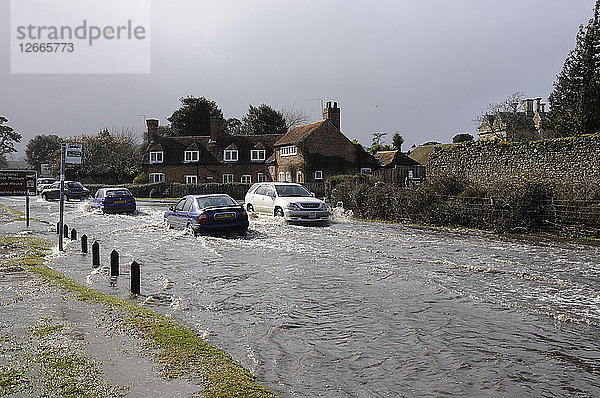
(73, 190)
(205, 214)
(284, 199)
(114, 200)
(43, 183)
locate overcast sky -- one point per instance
(424, 68)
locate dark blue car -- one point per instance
(114, 200)
(206, 214)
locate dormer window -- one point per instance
(156, 156)
(191, 156)
(230, 155)
(258, 155)
(289, 150)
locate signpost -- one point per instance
(19, 183)
(69, 154)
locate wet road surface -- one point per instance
(362, 309)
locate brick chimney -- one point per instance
(152, 125)
(216, 124)
(332, 113)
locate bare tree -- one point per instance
(509, 105)
(127, 132)
(293, 116)
(378, 137)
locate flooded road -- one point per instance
(362, 309)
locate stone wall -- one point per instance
(572, 160)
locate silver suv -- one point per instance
(284, 199)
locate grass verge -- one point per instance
(181, 350)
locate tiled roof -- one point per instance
(394, 158)
(299, 133)
(422, 152)
(211, 152)
(385, 157)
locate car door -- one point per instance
(54, 191)
(98, 198)
(269, 202)
(175, 218)
(186, 212)
(258, 198)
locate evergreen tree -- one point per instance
(575, 100)
(193, 118)
(263, 120)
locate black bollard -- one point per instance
(135, 278)
(84, 243)
(96, 255)
(66, 231)
(73, 234)
(114, 263)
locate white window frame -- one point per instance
(299, 176)
(230, 155)
(289, 150)
(227, 178)
(191, 156)
(246, 179)
(261, 177)
(156, 177)
(191, 179)
(318, 174)
(258, 155)
(281, 177)
(365, 170)
(159, 156)
(288, 176)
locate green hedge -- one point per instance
(177, 190)
(450, 201)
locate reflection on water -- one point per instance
(365, 309)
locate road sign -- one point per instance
(18, 182)
(73, 154)
(45, 170)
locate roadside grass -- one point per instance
(181, 351)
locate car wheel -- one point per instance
(190, 230)
(250, 208)
(278, 212)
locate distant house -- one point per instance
(220, 157)
(422, 152)
(528, 125)
(313, 152)
(391, 159)
(398, 168)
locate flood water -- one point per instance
(363, 309)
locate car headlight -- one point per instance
(293, 206)
(324, 206)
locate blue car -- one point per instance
(114, 200)
(206, 214)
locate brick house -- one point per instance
(219, 158)
(313, 152)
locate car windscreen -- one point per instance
(118, 193)
(291, 190)
(74, 185)
(215, 201)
